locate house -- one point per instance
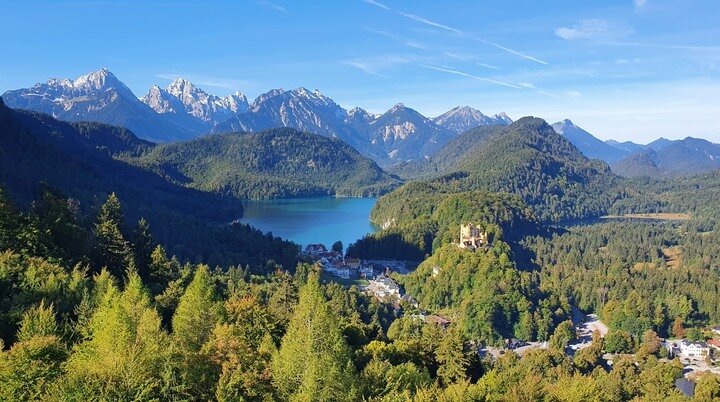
(716, 330)
(714, 343)
(343, 272)
(685, 386)
(410, 300)
(352, 262)
(438, 320)
(472, 237)
(693, 349)
(315, 249)
(514, 343)
(384, 287)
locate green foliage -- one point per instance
(313, 362)
(424, 218)
(452, 358)
(563, 335)
(38, 322)
(31, 367)
(619, 341)
(275, 163)
(125, 351)
(529, 159)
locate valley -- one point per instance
(458, 249)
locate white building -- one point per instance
(384, 287)
(693, 349)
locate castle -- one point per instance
(472, 237)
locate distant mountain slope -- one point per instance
(404, 134)
(447, 159)
(400, 134)
(98, 96)
(665, 158)
(588, 144)
(463, 118)
(527, 158)
(273, 163)
(628, 146)
(75, 158)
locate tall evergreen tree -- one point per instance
(112, 250)
(124, 354)
(451, 356)
(143, 246)
(195, 318)
(313, 363)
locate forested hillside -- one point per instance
(40, 154)
(527, 158)
(276, 163)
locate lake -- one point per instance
(312, 220)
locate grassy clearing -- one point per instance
(666, 216)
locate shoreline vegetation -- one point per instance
(664, 216)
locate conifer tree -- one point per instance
(8, 223)
(124, 354)
(451, 356)
(197, 312)
(112, 250)
(38, 321)
(313, 362)
(195, 318)
(143, 246)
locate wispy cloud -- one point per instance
(464, 74)
(216, 82)
(469, 58)
(594, 29)
(639, 3)
(375, 64)
(664, 46)
(448, 28)
(515, 52)
(407, 42)
(532, 86)
(274, 6)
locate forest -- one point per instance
(115, 317)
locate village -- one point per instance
(376, 280)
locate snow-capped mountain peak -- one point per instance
(183, 95)
(101, 79)
(463, 118)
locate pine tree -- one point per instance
(8, 223)
(112, 250)
(196, 316)
(124, 354)
(197, 312)
(38, 321)
(313, 363)
(451, 356)
(143, 247)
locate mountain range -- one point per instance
(401, 135)
(666, 158)
(183, 111)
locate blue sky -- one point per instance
(624, 69)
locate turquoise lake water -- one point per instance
(312, 220)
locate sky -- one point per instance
(622, 69)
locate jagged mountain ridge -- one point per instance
(463, 118)
(185, 101)
(97, 96)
